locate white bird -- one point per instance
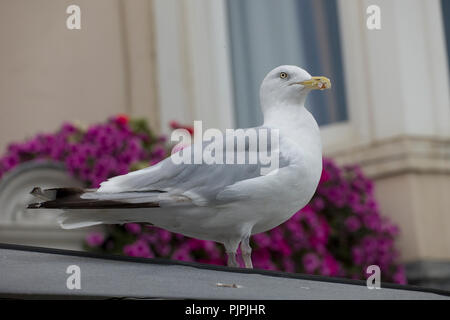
(226, 203)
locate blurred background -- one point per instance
(184, 60)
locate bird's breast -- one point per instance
(294, 185)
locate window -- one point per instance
(268, 33)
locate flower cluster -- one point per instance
(339, 233)
(92, 155)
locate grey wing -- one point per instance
(200, 182)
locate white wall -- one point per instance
(49, 74)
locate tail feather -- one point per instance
(76, 218)
(66, 221)
(45, 195)
(74, 198)
(83, 207)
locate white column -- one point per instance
(399, 105)
(194, 77)
(397, 77)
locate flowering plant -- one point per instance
(339, 233)
(95, 154)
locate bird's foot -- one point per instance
(232, 261)
(247, 257)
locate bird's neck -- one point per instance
(291, 116)
(295, 121)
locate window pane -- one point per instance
(268, 33)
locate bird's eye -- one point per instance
(283, 75)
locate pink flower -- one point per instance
(182, 254)
(164, 250)
(400, 276)
(138, 249)
(357, 255)
(95, 239)
(176, 125)
(318, 204)
(133, 228)
(164, 235)
(122, 119)
(288, 264)
(324, 177)
(352, 223)
(311, 262)
(330, 267)
(372, 221)
(261, 239)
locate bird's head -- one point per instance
(289, 84)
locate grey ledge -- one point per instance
(33, 272)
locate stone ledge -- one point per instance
(41, 272)
(399, 155)
(430, 273)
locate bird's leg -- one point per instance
(232, 261)
(246, 250)
(231, 249)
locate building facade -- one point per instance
(189, 60)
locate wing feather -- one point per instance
(200, 182)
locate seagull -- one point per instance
(226, 203)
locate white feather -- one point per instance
(226, 202)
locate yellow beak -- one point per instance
(317, 83)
